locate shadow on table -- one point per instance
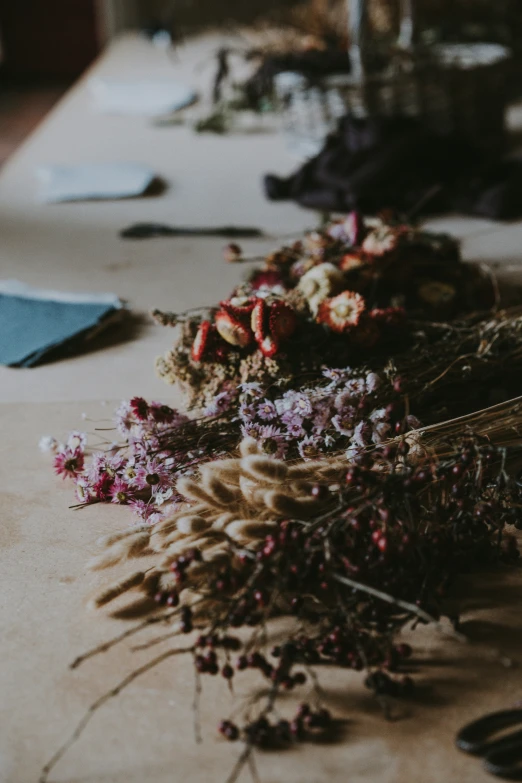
(126, 327)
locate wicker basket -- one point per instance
(451, 88)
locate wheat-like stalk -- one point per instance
(232, 506)
(236, 502)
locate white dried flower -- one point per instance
(319, 283)
(47, 443)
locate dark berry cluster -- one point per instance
(263, 733)
(402, 526)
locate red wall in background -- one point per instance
(48, 38)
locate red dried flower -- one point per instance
(232, 330)
(201, 341)
(282, 320)
(268, 346)
(140, 408)
(233, 253)
(354, 227)
(343, 312)
(258, 320)
(238, 307)
(388, 316)
(103, 487)
(266, 278)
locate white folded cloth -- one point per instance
(87, 181)
(146, 98)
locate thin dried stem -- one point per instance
(105, 646)
(406, 605)
(95, 706)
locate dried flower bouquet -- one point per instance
(349, 556)
(301, 484)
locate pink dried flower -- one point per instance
(119, 491)
(273, 441)
(102, 488)
(343, 423)
(266, 410)
(69, 464)
(161, 414)
(295, 429)
(76, 440)
(139, 407)
(124, 418)
(308, 448)
(154, 475)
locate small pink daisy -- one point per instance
(69, 464)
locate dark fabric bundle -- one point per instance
(375, 164)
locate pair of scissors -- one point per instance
(502, 756)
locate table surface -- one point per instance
(146, 734)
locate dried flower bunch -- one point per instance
(339, 297)
(451, 370)
(350, 555)
(300, 485)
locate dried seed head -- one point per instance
(106, 541)
(189, 525)
(137, 544)
(150, 584)
(248, 446)
(226, 470)
(111, 557)
(221, 493)
(285, 505)
(118, 588)
(249, 530)
(190, 489)
(310, 469)
(264, 468)
(222, 521)
(166, 527)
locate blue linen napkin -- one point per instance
(36, 324)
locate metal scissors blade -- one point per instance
(501, 756)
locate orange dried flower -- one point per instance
(343, 312)
(350, 261)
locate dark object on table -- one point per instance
(502, 756)
(396, 163)
(150, 230)
(313, 64)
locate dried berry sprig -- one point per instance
(383, 547)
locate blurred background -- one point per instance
(46, 44)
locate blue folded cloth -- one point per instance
(36, 324)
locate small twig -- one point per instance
(100, 702)
(105, 646)
(197, 698)
(406, 605)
